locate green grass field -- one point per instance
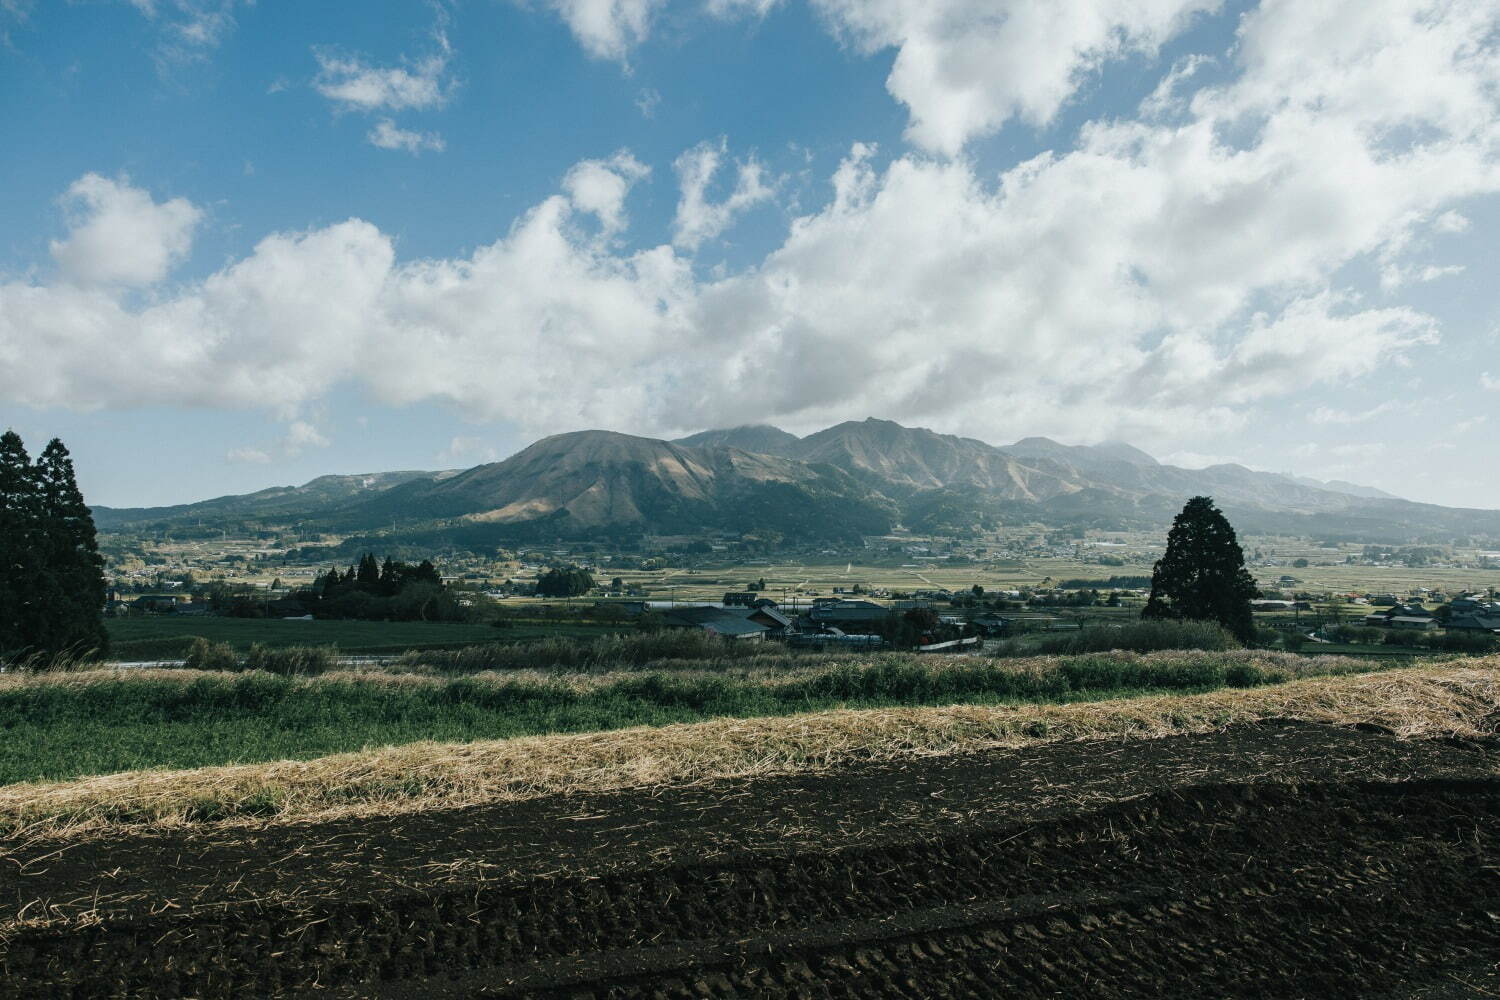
(167, 637)
(66, 725)
(820, 576)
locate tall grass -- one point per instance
(1137, 637)
(604, 653)
(102, 722)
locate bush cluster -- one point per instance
(1456, 641)
(285, 660)
(1138, 637)
(611, 652)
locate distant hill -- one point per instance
(589, 481)
(1340, 486)
(277, 501)
(855, 478)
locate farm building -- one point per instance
(728, 622)
(848, 613)
(1476, 623)
(1402, 616)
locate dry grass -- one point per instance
(1449, 699)
(771, 669)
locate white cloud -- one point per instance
(608, 29)
(386, 135)
(1451, 222)
(1464, 426)
(966, 67)
(300, 436)
(1327, 415)
(1169, 97)
(355, 85)
(190, 28)
(118, 235)
(740, 8)
(254, 456)
(1155, 275)
(1433, 272)
(698, 218)
(468, 449)
(600, 187)
(647, 101)
(1489, 382)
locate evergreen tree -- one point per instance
(52, 585)
(426, 572)
(1202, 575)
(20, 530)
(72, 565)
(368, 577)
(564, 581)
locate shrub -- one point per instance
(606, 653)
(205, 655)
(1293, 640)
(290, 659)
(1139, 637)
(1474, 643)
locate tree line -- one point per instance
(52, 587)
(391, 591)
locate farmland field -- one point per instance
(167, 636)
(1276, 842)
(100, 722)
(819, 577)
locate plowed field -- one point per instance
(1278, 860)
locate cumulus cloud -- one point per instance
(119, 235)
(385, 135)
(1489, 382)
(600, 187)
(966, 67)
(1160, 273)
(699, 218)
(608, 29)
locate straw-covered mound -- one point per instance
(1450, 699)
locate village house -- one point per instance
(1402, 616)
(731, 623)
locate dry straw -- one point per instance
(1450, 699)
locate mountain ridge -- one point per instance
(854, 478)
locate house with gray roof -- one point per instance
(731, 623)
(1476, 623)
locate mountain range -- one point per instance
(853, 479)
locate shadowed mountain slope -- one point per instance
(855, 478)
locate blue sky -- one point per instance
(245, 244)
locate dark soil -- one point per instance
(1280, 860)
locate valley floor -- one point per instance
(1278, 858)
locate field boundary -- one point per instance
(1437, 701)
